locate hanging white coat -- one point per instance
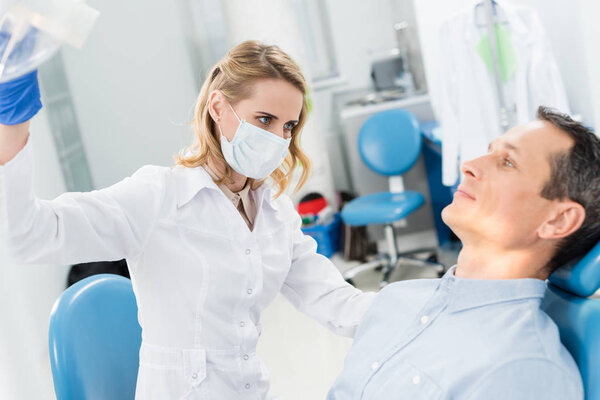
(200, 276)
(466, 104)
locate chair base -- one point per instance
(388, 262)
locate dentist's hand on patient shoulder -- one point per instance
(19, 102)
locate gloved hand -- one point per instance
(19, 99)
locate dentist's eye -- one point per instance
(264, 120)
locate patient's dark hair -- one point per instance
(575, 175)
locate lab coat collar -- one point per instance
(190, 181)
(471, 293)
(518, 28)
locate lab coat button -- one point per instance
(247, 386)
(194, 376)
(249, 291)
(416, 379)
(248, 252)
(424, 319)
(246, 357)
(375, 365)
(242, 324)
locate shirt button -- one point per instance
(246, 357)
(242, 324)
(249, 291)
(248, 252)
(424, 319)
(375, 365)
(416, 379)
(194, 376)
(247, 386)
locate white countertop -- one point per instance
(361, 111)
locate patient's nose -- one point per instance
(470, 169)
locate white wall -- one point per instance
(132, 87)
(589, 12)
(361, 31)
(564, 28)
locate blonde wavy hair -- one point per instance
(234, 76)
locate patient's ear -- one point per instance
(566, 219)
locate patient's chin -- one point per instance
(456, 220)
(449, 215)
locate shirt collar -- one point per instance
(243, 196)
(472, 293)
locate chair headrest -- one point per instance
(581, 277)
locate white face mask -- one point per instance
(253, 152)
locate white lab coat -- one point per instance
(466, 104)
(200, 276)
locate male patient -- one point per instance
(528, 206)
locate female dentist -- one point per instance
(208, 243)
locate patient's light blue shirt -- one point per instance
(455, 338)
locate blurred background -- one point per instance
(125, 99)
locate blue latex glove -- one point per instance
(19, 99)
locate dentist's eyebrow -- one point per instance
(268, 114)
(293, 121)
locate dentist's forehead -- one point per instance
(277, 97)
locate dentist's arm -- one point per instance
(316, 287)
(12, 140)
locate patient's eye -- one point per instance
(507, 162)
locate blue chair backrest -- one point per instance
(94, 340)
(389, 142)
(577, 316)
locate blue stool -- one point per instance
(567, 302)
(389, 143)
(94, 340)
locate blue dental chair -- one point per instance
(94, 340)
(568, 303)
(389, 143)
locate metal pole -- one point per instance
(504, 117)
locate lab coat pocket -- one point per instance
(171, 373)
(194, 366)
(397, 379)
